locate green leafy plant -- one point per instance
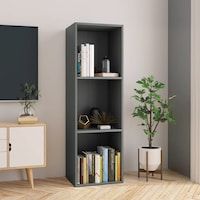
(151, 108)
(30, 92)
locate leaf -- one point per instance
(142, 91)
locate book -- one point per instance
(79, 64)
(111, 164)
(97, 168)
(83, 61)
(91, 58)
(116, 170)
(101, 168)
(90, 160)
(118, 166)
(104, 152)
(87, 59)
(104, 127)
(81, 170)
(78, 169)
(84, 170)
(105, 74)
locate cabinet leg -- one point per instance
(29, 173)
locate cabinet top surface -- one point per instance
(15, 124)
(96, 26)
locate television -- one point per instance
(18, 60)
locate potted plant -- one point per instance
(152, 110)
(30, 92)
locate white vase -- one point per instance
(154, 158)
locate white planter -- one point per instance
(154, 158)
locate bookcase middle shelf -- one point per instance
(99, 78)
(93, 130)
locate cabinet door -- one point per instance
(3, 159)
(27, 146)
(3, 133)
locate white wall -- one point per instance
(145, 52)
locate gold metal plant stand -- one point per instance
(158, 171)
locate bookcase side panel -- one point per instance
(71, 103)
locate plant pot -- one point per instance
(154, 158)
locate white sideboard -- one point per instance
(22, 146)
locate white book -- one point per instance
(91, 60)
(97, 169)
(83, 60)
(87, 59)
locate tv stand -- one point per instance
(23, 146)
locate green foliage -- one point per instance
(151, 108)
(30, 92)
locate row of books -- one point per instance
(101, 166)
(85, 64)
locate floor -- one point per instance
(174, 186)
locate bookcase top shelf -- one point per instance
(96, 27)
(86, 131)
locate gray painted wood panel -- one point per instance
(179, 84)
(85, 93)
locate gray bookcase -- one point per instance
(83, 93)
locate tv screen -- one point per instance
(18, 60)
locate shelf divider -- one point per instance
(99, 78)
(86, 131)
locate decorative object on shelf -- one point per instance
(83, 122)
(101, 119)
(103, 74)
(106, 65)
(30, 92)
(104, 127)
(27, 119)
(152, 110)
(95, 111)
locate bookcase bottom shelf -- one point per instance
(96, 184)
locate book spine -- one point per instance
(87, 59)
(101, 169)
(78, 170)
(91, 168)
(97, 169)
(81, 171)
(83, 60)
(91, 60)
(87, 168)
(118, 166)
(111, 164)
(84, 170)
(116, 170)
(105, 164)
(79, 64)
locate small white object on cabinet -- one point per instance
(22, 146)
